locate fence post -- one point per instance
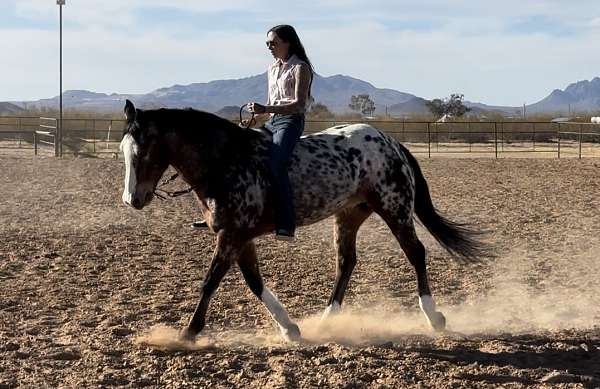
(496, 138)
(558, 140)
(35, 143)
(533, 135)
(403, 135)
(108, 135)
(469, 135)
(428, 140)
(19, 128)
(94, 135)
(502, 135)
(580, 130)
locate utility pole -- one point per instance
(524, 114)
(58, 139)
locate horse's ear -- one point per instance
(130, 111)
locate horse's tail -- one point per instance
(458, 239)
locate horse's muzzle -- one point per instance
(137, 203)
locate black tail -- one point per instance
(460, 241)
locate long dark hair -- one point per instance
(288, 34)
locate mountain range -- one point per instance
(333, 91)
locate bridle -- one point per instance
(163, 194)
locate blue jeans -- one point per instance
(286, 130)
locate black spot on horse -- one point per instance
(368, 138)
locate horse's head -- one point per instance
(145, 157)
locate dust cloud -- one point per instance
(564, 295)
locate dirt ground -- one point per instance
(92, 293)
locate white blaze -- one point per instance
(129, 149)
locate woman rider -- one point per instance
(289, 83)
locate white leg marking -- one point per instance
(436, 319)
(276, 310)
(331, 309)
(427, 305)
(129, 149)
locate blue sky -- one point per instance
(498, 52)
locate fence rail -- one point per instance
(99, 137)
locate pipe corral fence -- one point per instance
(101, 137)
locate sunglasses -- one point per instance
(271, 44)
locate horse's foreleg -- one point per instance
(224, 254)
(347, 223)
(249, 266)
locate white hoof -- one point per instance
(437, 321)
(331, 310)
(291, 334)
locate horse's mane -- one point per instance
(184, 119)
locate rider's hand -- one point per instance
(247, 123)
(256, 108)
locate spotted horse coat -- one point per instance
(348, 171)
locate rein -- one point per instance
(250, 122)
(163, 194)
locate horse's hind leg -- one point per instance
(249, 266)
(413, 248)
(347, 223)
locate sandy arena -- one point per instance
(92, 293)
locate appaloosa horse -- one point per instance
(349, 171)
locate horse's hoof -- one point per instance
(292, 333)
(330, 311)
(187, 335)
(437, 321)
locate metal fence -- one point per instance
(101, 137)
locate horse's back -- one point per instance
(339, 167)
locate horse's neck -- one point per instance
(202, 161)
(187, 158)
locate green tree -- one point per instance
(320, 111)
(362, 104)
(436, 106)
(452, 105)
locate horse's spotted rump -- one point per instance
(345, 172)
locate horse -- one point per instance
(348, 171)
